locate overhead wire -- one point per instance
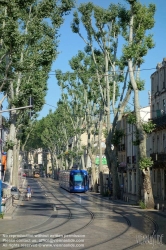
(111, 112)
(105, 74)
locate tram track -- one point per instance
(92, 216)
(128, 224)
(49, 221)
(122, 213)
(90, 198)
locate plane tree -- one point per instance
(28, 47)
(138, 20)
(103, 30)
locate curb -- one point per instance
(10, 214)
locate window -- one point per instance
(157, 88)
(153, 145)
(158, 145)
(154, 176)
(153, 111)
(152, 84)
(157, 105)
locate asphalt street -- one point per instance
(56, 219)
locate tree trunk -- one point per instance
(82, 162)
(116, 186)
(11, 138)
(147, 187)
(94, 177)
(100, 170)
(15, 167)
(7, 177)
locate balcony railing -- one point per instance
(160, 120)
(158, 157)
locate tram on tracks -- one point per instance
(75, 181)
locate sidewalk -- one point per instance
(16, 203)
(132, 202)
(27, 214)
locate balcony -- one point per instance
(160, 120)
(121, 147)
(159, 159)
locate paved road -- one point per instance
(79, 222)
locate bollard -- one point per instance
(54, 207)
(163, 208)
(158, 206)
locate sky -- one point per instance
(70, 43)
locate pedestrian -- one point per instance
(29, 192)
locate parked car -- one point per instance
(5, 189)
(15, 193)
(6, 185)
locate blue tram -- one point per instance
(74, 180)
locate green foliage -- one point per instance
(28, 34)
(119, 133)
(145, 162)
(140, 84)
(95, 132)
(9, 144)
(105, 132)
(136, 142)
(148, 127)
(142, 42)
(131, 118)
(142, 205)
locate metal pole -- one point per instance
(7, 110)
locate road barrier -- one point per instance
(7, 205)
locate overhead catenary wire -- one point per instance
(111, 112)
(52, 72)
(104, 74)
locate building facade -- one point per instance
(127, 153)
(158, 137)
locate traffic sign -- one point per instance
(104, 161)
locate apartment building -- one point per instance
(127, 153)
(158, 137)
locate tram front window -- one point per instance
(78, 180)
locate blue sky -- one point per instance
(70, 43)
